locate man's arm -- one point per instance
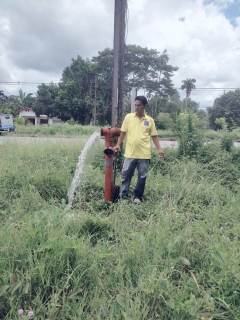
(120, 141)
(155, 140)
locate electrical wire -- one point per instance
(25, 83)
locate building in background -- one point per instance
(31, 116)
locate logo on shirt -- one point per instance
(146, 123)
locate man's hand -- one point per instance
(161, 153)
(117, 148)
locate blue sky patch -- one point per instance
(231, 12)
(181, 19)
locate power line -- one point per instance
(25, 83)
(14, 83)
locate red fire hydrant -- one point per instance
(110, 190)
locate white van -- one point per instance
(6, 123)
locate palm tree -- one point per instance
(23, 98)
(188, 85)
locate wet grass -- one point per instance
(175, 256)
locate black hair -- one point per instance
(142, 99)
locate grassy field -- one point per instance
(55, 130)
(176, 256)
(65, 130)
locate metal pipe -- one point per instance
(109, 134)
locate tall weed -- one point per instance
(56, 130)
(175, 256)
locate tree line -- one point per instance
(74, 96)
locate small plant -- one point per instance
(72, 122)
(221, 123)
(190, 137)
(20, 121)
(227, 142)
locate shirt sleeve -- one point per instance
(124, 126)
(153, 130)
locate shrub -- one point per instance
(20, 121)
(227, 142)
(72, 122)
(190, 137)
(164, 121)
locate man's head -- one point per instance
(142, 99)
(140, 105)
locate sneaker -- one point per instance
(136, 200)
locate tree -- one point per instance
(227, 106)
(144, 68)
(71, 106)
(221, 123)
(74, 96)
(81, 72)
(8, 104)
(169, 105)
(164, 121)
(188, 85)
(79, 75)
(148, 69)
(203, 118)
(103, 69)
(25, 100)
(45, 102)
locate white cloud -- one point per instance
(204, 45)
(39, 38)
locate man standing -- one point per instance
(140, 128)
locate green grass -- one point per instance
(208, 134)
(54, 130)
(76, 130)
(175, 256)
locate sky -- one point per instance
(38, 39)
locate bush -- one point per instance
(190, 137)
(164, 121)
(227, 142)
(72, 122)
(20, 121)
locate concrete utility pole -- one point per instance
(118, 61)
(95, 102)
(133, 96)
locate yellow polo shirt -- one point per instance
(139, 133)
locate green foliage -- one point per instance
(165, 104)
(56, 130)
(148, 68)
(221, 123)
(190, 138)
(227, 106)
(227, 142)
(71, 122)
(164, 122)
(175, 256)
(25, 100)
(188, 85)
(20, 121)
(8, 104)
(33, 175)
(203, 119)
(74, 96)
(45, 102)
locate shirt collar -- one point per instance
(144, 116)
